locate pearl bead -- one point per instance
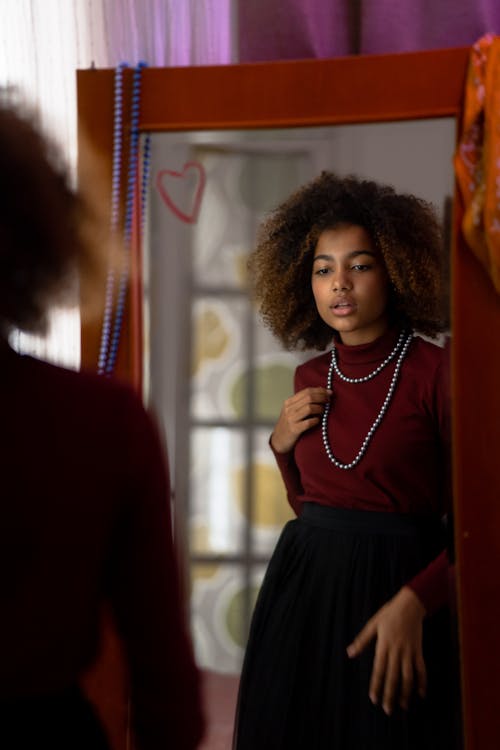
(402, 346)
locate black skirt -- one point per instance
(330, 572)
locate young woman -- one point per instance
(349, 647)
(85, 500)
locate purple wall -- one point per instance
(293, 29)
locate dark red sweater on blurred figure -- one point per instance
(86, 519)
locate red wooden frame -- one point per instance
(359, 89)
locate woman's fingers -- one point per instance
(306, 405)
(392, 675)
(304, 411)
(363, 638)
(420, 674)
(309, 400)
(406, 681)
(403, 673)
(398, 665)
(300, 412)
(391, 680)
(378, 673)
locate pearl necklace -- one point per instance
(334, 367)
(377, 369)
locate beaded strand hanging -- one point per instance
(111, 330)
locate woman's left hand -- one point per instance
(399, 661)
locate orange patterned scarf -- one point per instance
(477, 160)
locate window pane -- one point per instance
(273, 372)
(273, 378)
(271, 509)
(217, 495)
(223, 232)
(219, 358)
(240, 187)
(221, 605)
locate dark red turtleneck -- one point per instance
(406, 467)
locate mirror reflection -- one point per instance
(212, 372)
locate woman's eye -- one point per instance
(361, 267)
(322, 271)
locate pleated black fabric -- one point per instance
(331, 571)
(62, 721)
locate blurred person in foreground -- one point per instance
(84, 498)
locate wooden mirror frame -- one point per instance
(353, 90)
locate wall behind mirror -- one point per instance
(212, 372)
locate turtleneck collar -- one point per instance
(374, 351)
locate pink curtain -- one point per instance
(162, 32)
(293, 29)
(407, 25)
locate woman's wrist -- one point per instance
(411, 599)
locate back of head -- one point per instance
(40, 214)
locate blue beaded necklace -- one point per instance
(111, 330)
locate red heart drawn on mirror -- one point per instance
(173, 187)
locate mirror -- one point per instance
(321, 93)
(220, 396)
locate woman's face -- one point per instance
(350, 284)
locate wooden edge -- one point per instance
(476, 406)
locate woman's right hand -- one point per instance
(300, 412)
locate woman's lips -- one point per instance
(342, 308)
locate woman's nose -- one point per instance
(340, 281)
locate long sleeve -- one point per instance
(291, 477)
(88, 523)
(166, 703)
(433, 585)
(290, 471)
